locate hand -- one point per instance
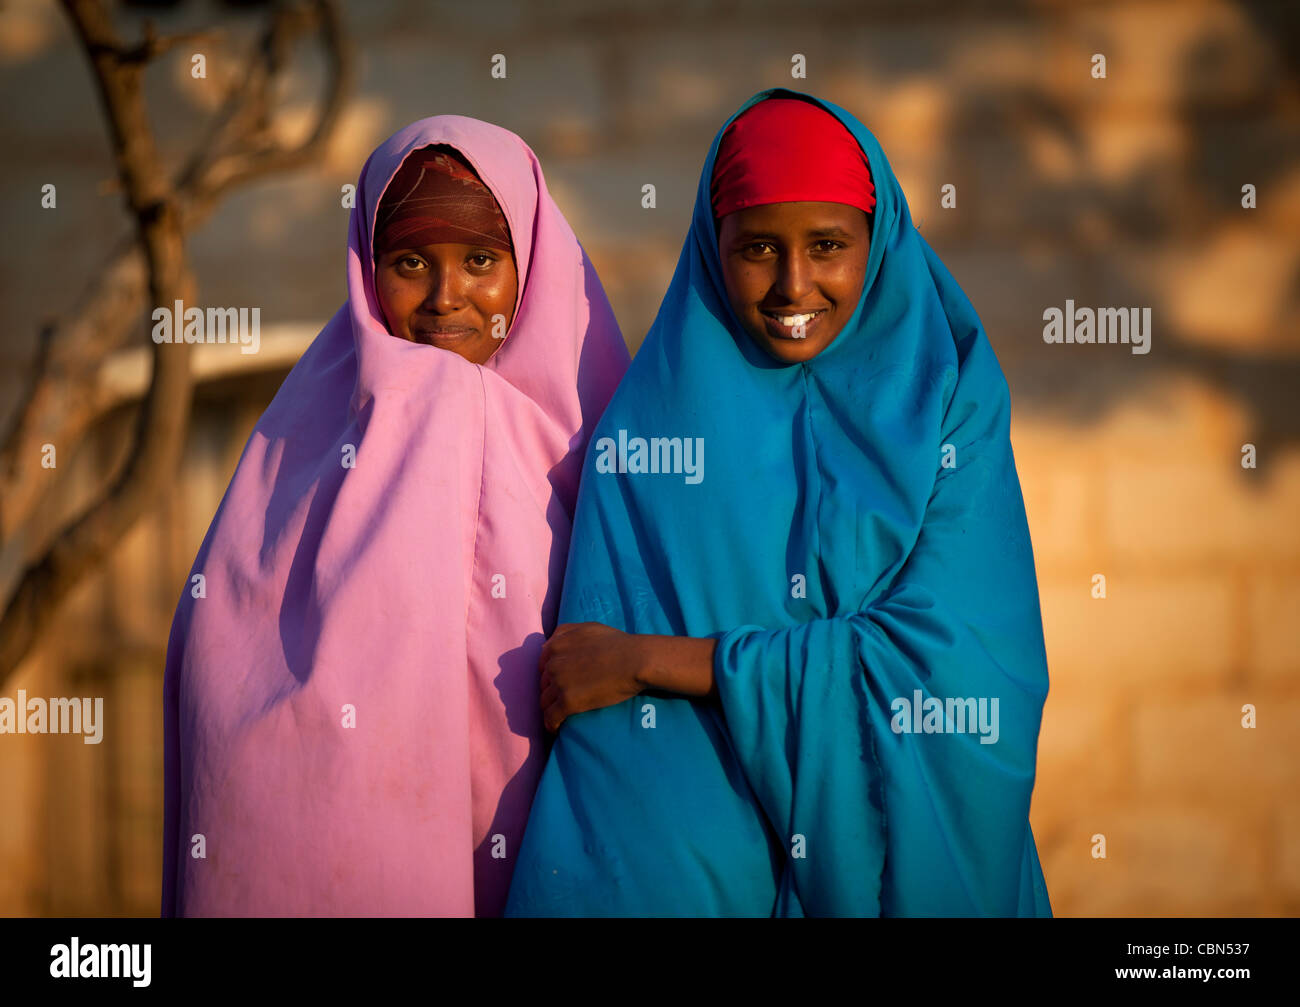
(586, 666)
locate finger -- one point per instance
(550, 648)
(565, 628)
(550, 695)
(553, 716)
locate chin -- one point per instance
(788, 352)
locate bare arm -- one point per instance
(588, 666)
(681, 664)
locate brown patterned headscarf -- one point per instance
(436, 197)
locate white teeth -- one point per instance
(789, 321)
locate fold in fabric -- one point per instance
(351, 719)
(858, 547)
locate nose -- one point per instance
(446, 293)
(793, 278)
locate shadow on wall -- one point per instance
(1166, 230)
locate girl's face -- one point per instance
(794, 273)
(458, 297)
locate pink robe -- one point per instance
(351, 718)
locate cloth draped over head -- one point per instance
(350, 706)
(854, 581)
(436, 197)
(786, 150)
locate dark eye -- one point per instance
(409, 263)
(482, 259)
(828, 245)
(758, 248)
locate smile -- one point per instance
(792, 326)
(448, 334)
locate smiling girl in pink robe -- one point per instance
(350, 703)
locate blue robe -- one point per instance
(856, 543)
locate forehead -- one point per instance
(795, 219)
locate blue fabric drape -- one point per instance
(857, 540)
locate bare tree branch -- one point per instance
(151, 46)
(233, 153)
(239, 149)
(56, 408)
(162, 421)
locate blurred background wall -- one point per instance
(1122, 191)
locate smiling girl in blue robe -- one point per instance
(804, 675)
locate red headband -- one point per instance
(785, 150)
(435, 197)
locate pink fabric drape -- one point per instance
(389, 553)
